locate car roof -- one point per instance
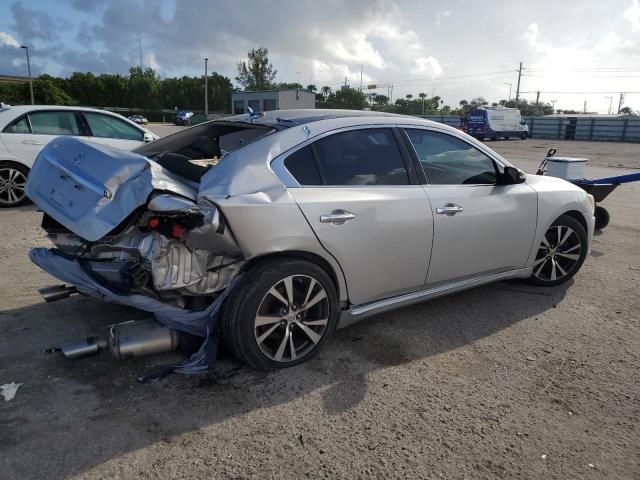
(290, 118)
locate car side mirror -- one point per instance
(148, 137)
(511, 176)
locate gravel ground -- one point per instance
(504, 381)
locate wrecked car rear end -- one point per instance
(130, 228)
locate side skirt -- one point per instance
(360, 312)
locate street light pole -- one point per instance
(361, 67)
(140, 45)
(206, 90)
(510, 85)
(610, 103)
(29, 69)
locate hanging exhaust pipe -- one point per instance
(83, 348)
(57, 292)
(136, 338)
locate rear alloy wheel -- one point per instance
(13, 179)
(561, 252)
(281, 314)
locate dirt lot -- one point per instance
(504, 381)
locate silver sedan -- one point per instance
(271, 230)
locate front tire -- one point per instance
(561, 252)
(523, 136)
(13, 180)
(284, 310)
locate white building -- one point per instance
(265, 100)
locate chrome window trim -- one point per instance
(279, 170)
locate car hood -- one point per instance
(91, 188)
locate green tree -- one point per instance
(312, 88)
(345, 98)
(628, 111)
(326, 91)
(256, 73)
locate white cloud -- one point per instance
(441, 16)
(6, 39)
(633, 15)
(427, 66)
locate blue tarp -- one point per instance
(199, 323)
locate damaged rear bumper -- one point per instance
(200, 323)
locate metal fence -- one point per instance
(620, 129)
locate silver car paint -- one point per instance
(256, 197)
(92, 188)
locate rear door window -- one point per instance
(21, 126)
(54, 123)
(361, 157)
(106, 126)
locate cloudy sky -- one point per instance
(571, 51)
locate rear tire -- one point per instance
(13, 181)
(561, 252)
(266, 324)
(523, 136)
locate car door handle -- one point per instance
(450, 209)
(31, 142)
(337, 217)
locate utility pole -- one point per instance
(345, 82)
(361, 67)
(620, 102)
(518, 87)
(140, 45)
(206, 89)
(610, 103)
(29, 70)
(584, 109)
(537, 101)
(553, 105)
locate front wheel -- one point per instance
(561, 253)
(282, 313)
(13, 180)
(523, 136)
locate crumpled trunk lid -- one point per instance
(91, 189)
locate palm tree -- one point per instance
(422, 95)
(312, 88)
(408, 96)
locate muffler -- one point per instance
(135, 338)
(140, 338)
(57, 292)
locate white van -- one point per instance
(496, 123)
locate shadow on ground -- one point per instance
(81, 414)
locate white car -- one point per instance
(25, 130)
